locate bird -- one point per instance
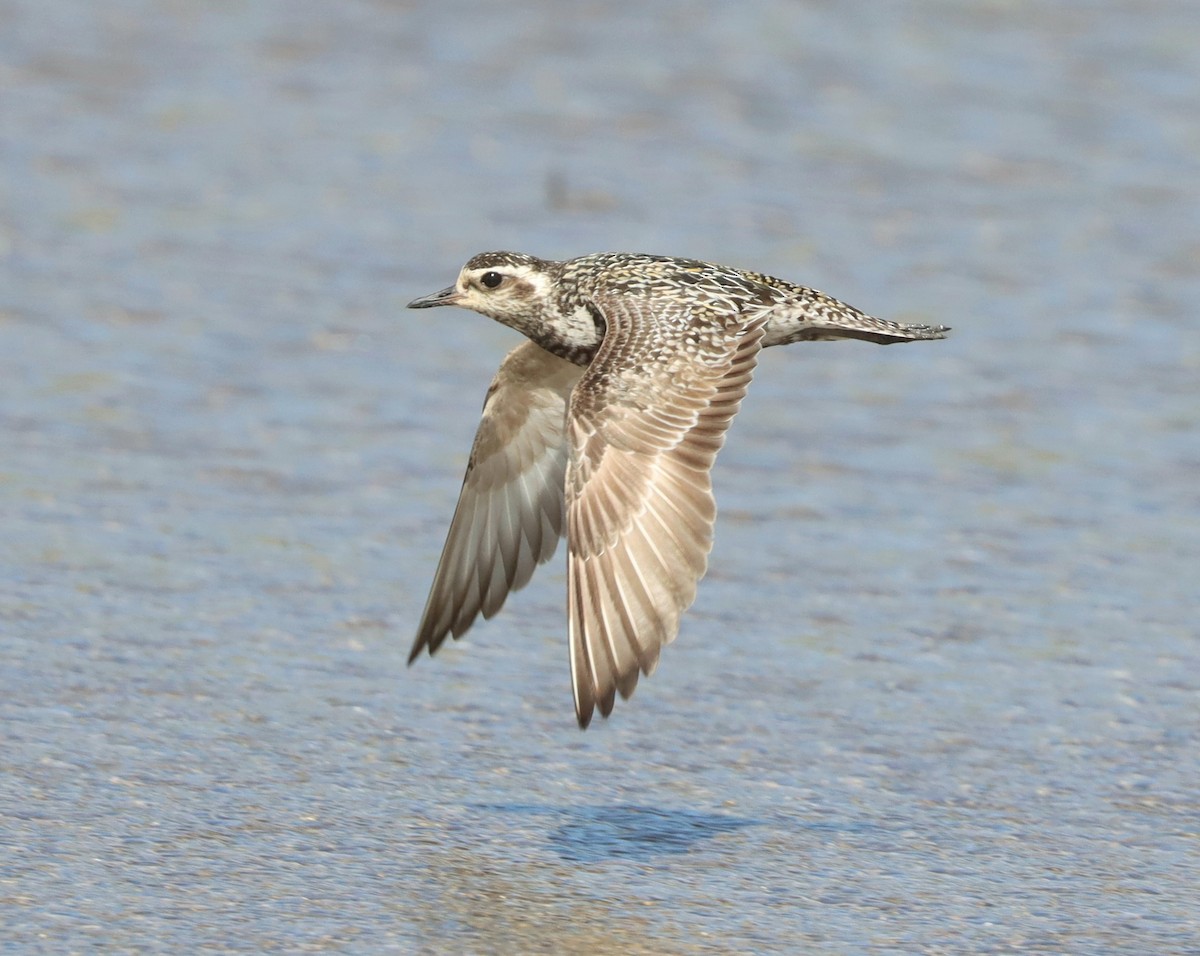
(604, 425)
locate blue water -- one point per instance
(940, 692)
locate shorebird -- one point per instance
(606, 424)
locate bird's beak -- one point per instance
(448, 296)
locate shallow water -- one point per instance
(939, 692)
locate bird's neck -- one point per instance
(571, 333)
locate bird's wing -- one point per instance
(510, 510)
(801, 314)
(645, 424)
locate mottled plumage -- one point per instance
(608, 422)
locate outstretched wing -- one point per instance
(510, 510)
(646, 422)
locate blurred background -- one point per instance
(940, 691)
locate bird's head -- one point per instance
(506, 286)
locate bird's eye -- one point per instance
(491, 279)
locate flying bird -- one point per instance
(605, 425)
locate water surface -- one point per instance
(939, 692)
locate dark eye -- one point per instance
(491, 279)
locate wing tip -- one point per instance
(423, 642)
(584, 708)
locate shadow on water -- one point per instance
(593, 834)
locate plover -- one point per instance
(606, 424)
